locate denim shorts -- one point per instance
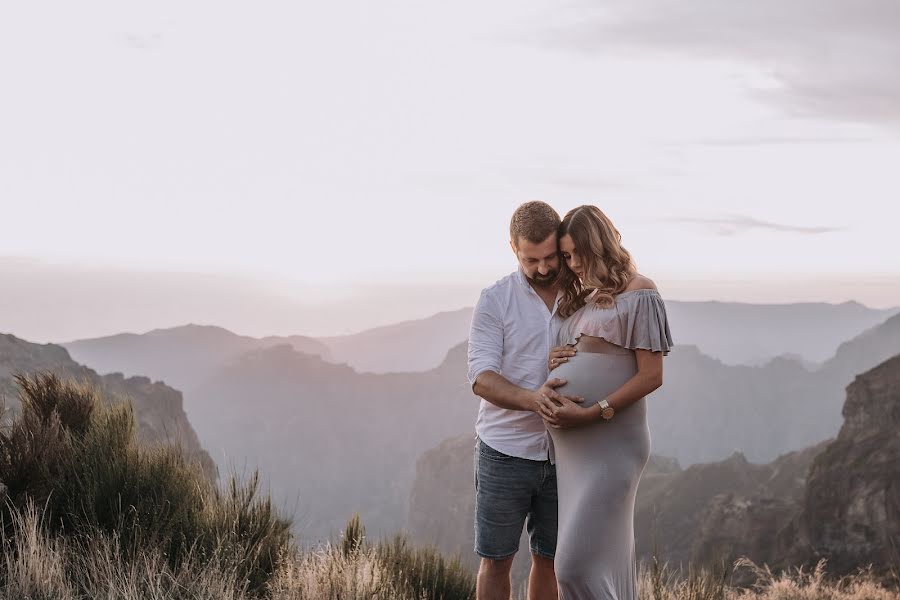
(511, 492)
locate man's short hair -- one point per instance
(535, 221)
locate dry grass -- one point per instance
(658, 582)
(328, 573)
(39, 565)
(814, 585)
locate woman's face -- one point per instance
(573, 261)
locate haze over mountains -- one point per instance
(181, 356)
(734, 333)
(332, 441)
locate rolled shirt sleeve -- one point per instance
(485, 338)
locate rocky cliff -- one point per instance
(851, 505)
(721, 511)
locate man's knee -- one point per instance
(492, 567)
(541, 563)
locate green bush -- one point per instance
(77, 458)
(36, 447)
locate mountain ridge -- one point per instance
(419, 345)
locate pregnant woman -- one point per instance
(611, 336)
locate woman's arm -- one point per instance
(648, 378)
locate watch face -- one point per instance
(607, 412)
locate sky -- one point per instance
(372, 153)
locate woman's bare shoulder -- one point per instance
(639, 282)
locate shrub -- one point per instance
(77, 458)
(354, 537)
(36, 447)
(245, 531)
(424, 572)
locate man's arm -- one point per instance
(494, 388)
(485, 354)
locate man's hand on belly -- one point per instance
(565, 413)
(548, 390)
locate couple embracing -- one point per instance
(562, 353)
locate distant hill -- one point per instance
(417, 345)
(753, 334)
(181, 356)
(158, 410)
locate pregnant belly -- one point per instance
(594, 376)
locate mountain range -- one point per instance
(333, 441)
(734, 333)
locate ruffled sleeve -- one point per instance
(638, 321)
(643, 323)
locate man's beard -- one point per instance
(543, 281)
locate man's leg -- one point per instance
(494, 581)
(504, 488)
(542, 581)
(542, 526)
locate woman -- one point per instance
(612, 335)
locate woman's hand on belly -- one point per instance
(560, 355)
(566, 413)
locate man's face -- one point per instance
(540, 262)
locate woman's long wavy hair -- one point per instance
(606, 265)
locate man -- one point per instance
(509, 345)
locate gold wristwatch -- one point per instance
(606, 411)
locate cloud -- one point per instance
(831, 58)
(741, 224)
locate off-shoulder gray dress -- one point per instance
(598, 466)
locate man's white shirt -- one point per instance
(511, 335)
